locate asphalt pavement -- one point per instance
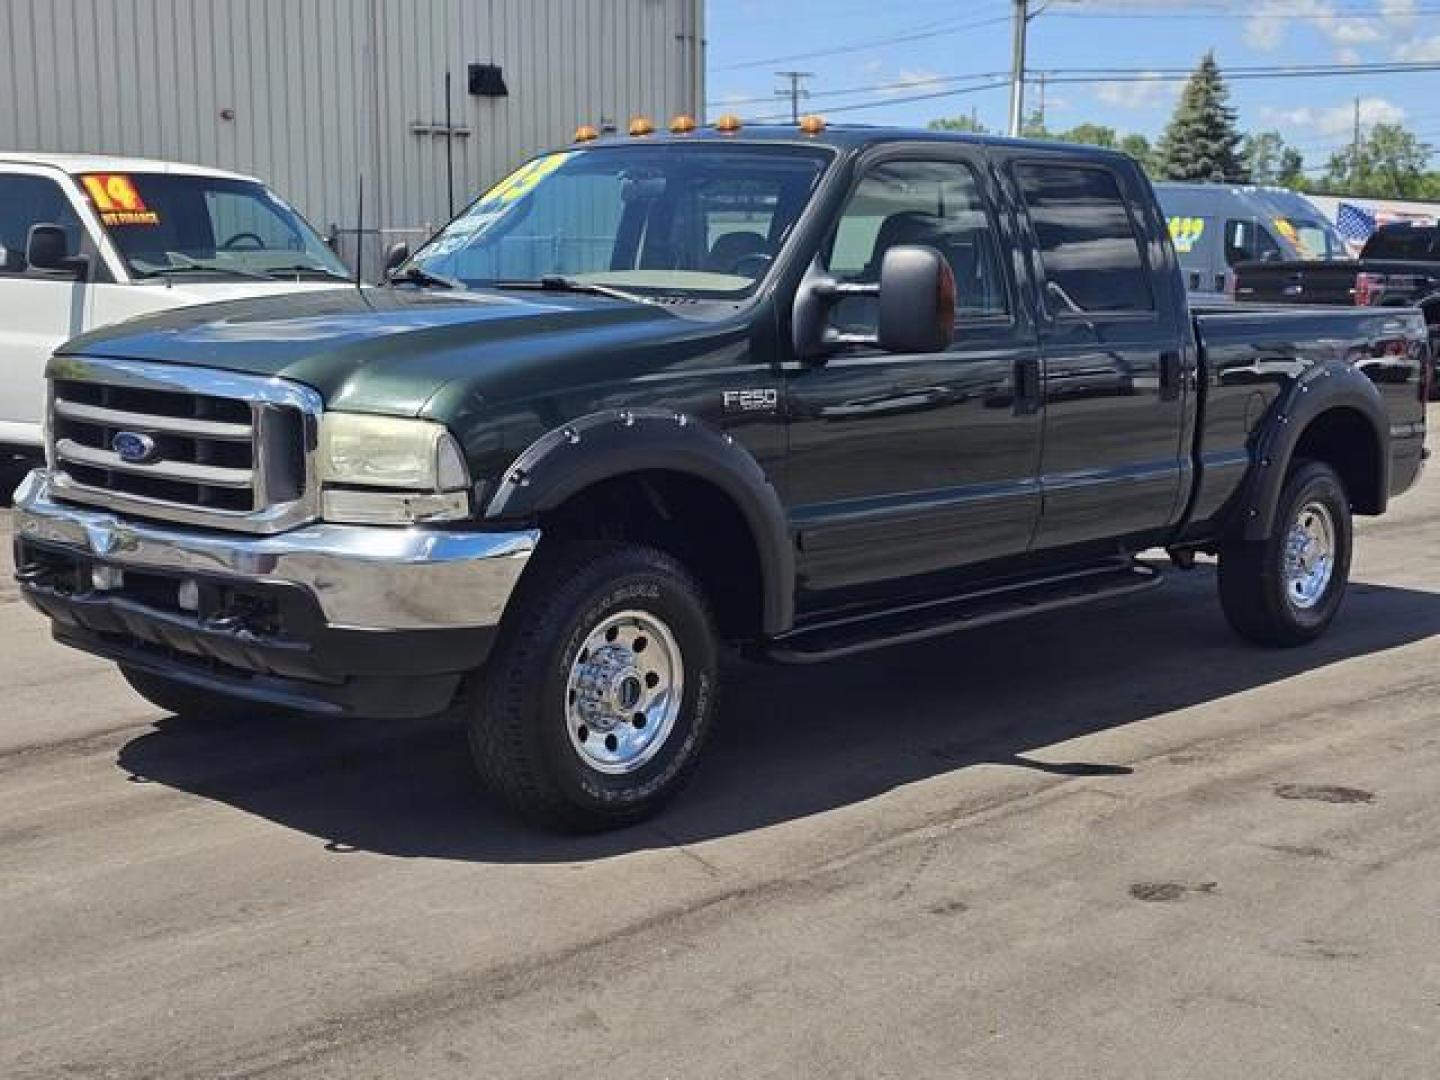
(1113, 843)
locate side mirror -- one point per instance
(917, 301)
(48, 248)
(395, 256)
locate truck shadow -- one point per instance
(793, 741)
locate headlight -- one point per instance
(416, 465)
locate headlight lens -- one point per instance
(390, 452)
(387, 470)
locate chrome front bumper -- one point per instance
(362, 577)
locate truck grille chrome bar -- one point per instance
(203, 447)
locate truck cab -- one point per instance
(91, 240)
(800, 391)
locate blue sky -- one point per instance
(877, 53)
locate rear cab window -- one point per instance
(1088, 245)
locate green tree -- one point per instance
(1091, 135)
(1271, 160)
(1138, 147)
(1389, 162)
(958, 123)
(1202, 141)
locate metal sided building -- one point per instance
(311, 94)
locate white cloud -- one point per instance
(1139, 93)
(1419, 51)
(1348, 56)
(1338, 119)
(1270, 20)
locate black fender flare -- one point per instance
(606, 445)
(1335, 384)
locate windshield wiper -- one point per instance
(305, 268)
(561, 283)
(202, 268)
(416, 274)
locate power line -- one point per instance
(927, 31)
(796, 90)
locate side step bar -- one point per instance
(936, 618)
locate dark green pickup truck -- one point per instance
(804, 392)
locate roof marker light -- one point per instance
(642, 125)
(728, 124)
(586, 133)
(812, 125)
(682, 125)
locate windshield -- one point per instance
(1314, 239)
(166, 224)
(694, 219)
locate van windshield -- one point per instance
(697, 220)
(165, 224)
(1313, 238)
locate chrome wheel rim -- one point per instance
(624, 692)
(1309, 555)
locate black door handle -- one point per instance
(1027, 385)
(1170, 375)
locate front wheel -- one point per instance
(598, 696)
(1286, 590)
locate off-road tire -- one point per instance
(190, 702)
(516, 707)
(1253, 590)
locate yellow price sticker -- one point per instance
(524, 179)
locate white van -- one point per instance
(88, 240)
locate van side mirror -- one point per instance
(917, 300)
(395, 257)
(47, 247)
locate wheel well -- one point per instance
(1345, 440)
(691, 519)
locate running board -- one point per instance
(936, 618)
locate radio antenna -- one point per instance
(359, 229)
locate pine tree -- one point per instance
(1202, 141)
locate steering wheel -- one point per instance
(762, 259)
(233, 243)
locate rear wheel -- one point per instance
(1287, 589)
(599, 694)
(189, 702)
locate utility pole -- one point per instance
(1017, 68)
(795, 92)
(1355, 149)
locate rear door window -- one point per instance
(1088, 245)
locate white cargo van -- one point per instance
(88, 240)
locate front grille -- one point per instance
(222, 450)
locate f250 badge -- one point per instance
(767, 400)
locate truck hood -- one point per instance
(388, 350)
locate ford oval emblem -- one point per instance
(133, 447)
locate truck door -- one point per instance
(38, 309)
(905, 465)
(1113, 348)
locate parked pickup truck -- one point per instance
(1398, 267)
(805, 391)
(87, 240)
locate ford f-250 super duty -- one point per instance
(807, 391)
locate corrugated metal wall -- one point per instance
(321, 90)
